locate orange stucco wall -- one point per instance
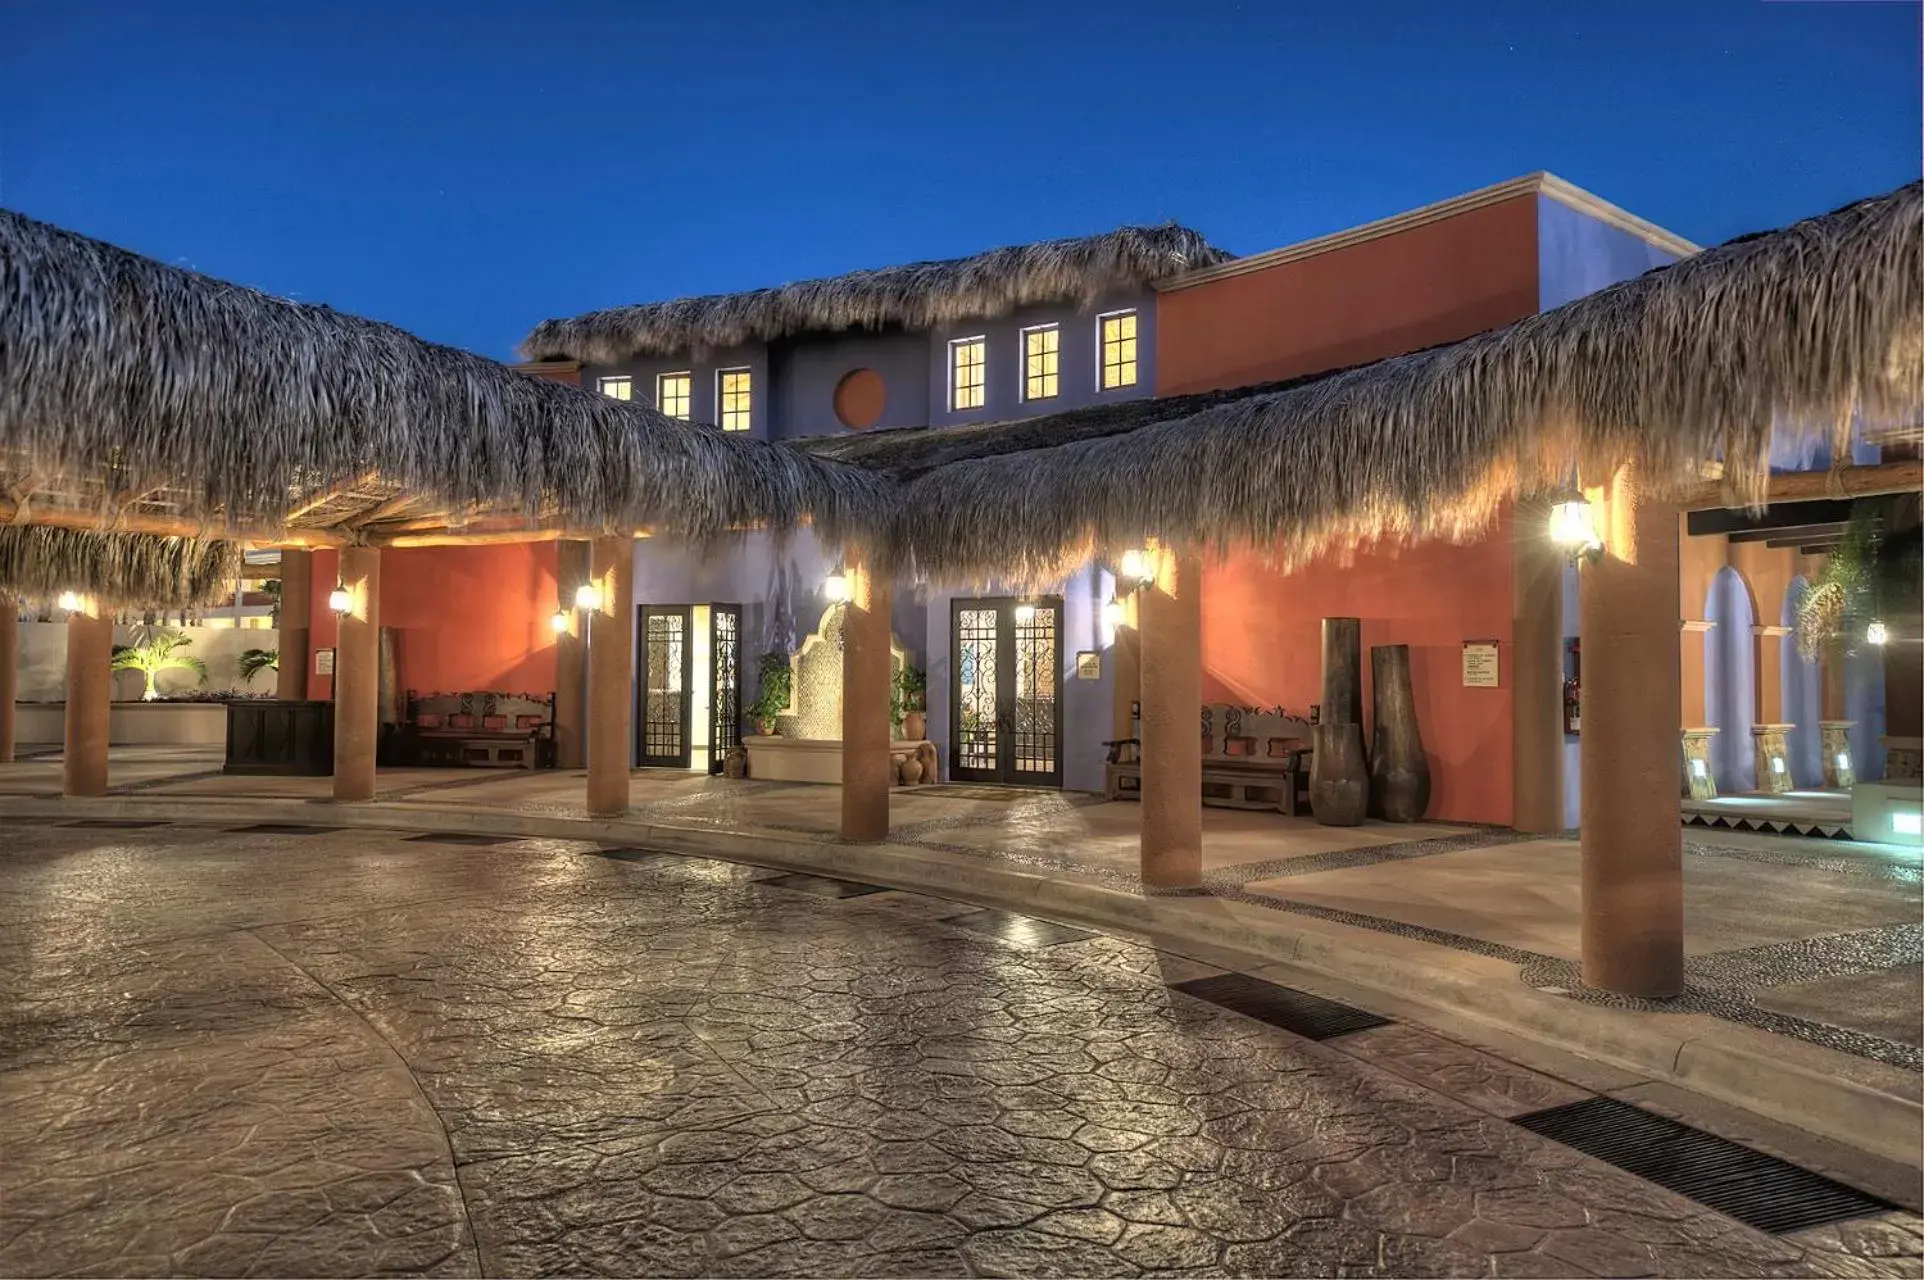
(1262, 647)
(1430, 284)
(471, 618)
(1261, 629)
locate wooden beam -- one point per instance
(1805, 486)
(168, 526)
(326, 496)
(1815, 531)
(491, 537)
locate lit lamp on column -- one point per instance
(588, 597)
(1136, 569)
(72, 602)
(340, 600)
(836, 588)
(1573, 527)
(1877, 633)
(559, 621)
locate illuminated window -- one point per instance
(671, 394)
(734, 398)
(968, 373)
(619, 388)
(1118, 330)
(1041, 350)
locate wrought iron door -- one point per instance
(1006, 672)
(725, 652)
(663, 688)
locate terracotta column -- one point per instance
(357, 675)
(297, 604)
(1171, 723)
(90, 693)
(1536, 694)
(1632, 837)
(9, 673)
(611, 655)
(570, 664)
(866, 766)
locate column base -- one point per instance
(1699, 783)
(1772, 750)
(1840, 768)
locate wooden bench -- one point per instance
(1253, 758)
(488, 730)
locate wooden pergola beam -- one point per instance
(1807, 486)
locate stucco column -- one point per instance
(1171, 723)
(866, 766)
(9, 673)
(1632, 840)
(1769, 667)
(296, 623)
(90, 693)
(1536, 694)
(357, 676)
(611, 657)
(570, 664)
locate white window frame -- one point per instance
(1022, 354)
(687, 374)
(949, 371)
(1112, 315)
(601, 384)
(753, 394)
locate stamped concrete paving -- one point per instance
(345, 1053)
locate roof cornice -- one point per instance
(1546, 184)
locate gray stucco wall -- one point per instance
(807, 371)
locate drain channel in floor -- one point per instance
(633, 855)
(1760, 1190)
(113, 824)
(1298, 1012)
(820, 886)
(1023, 931)
(283, 829)
(462, 837)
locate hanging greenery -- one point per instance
(1862, 581)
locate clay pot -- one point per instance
(915, 726)
(1339, 777)
(1399, 771)
(911, 771)
(765, 727)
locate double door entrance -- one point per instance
(1006, 670)
(688, 685)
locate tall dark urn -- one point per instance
(1399, 771)
(1339, 774)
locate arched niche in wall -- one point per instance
(1730, 681)
(1802, 684)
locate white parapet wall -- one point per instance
(174, 724)
(43, 662)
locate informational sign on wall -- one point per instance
(323, 662)
(1479, 664)
(1088, 665)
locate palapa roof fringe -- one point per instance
(919, 295)
(1794, 331)
(112, 362)
(121, 570)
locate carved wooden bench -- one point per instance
(1252, 759)
(488, 730)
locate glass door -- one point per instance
(725, 682)
(1005, 665)
(662, 689)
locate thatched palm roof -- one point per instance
(120, 375)
(1794, 330)
(121, 570)
(920, 295)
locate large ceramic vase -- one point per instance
(1339, 773)
(1399, 771)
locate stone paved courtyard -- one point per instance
(339, 1052)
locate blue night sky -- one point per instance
(467, 169)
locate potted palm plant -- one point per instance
(254, 661)
(777, 683)
(158, 651)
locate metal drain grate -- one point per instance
(113, 824)
(821, 886)
(462, 837)
(1298, 1012)
(1761, 1190)
(632, 855)
(284, 829)
(1023, 931)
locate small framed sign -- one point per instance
(1479, 665)
(323, 662)
(1088, 665)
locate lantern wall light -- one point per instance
(1877, 633)
(340, 599)
(1136, 569)
(1573, 527)
(588, 596)
(836, 587)
(70, 601)
(559, 621)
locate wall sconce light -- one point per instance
(836, 587)
(71, 601)
(1697, 769)
(559, 621)
(1776, 764)
(1877, 633)
(340, 599)
(1573, 527)
(1025, 613)
(1844, 761)
(1112, 613)
(1136, 569)
(588, 596)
